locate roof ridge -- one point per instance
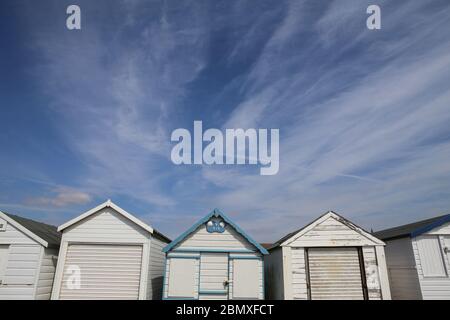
(413, 223)
(12, 216)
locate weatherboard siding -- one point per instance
(46, 274)
(106, 226)
(12, 235)
(298, 269)
(442, 230)
(156, 269)
(331, 233)
(28, 272)
(21, 272)
(228, 240)
(372, 273)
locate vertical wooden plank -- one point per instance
(144, 270)
(38, 271)
(287, 273)
(383, 273)
(59, 270)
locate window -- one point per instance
(431, 258)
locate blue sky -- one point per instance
(363, 115)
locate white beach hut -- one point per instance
(329, 259)
(28, 253)
(214, 259)
(418, 259)
(107, 253)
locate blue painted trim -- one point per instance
(183, 257)
(213, 291)
(224, 250)
(172, 254)
(245, 258)
(431, 226)
(214, 213)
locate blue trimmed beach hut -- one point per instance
(214, 260)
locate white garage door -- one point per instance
(335, 274)
(101, 272)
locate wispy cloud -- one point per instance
(61, 197)
(362, 114)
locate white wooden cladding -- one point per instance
(22, 266)
(156, 269)
(331, 233)
(106, 226)
(334, 273)
(442, 230)
(46, 274)
(213, 273)
(12, 235)
(371, 270)
(107, 271)
(25, 272)
(227, 240)
(299, 280)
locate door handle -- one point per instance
(226, 283)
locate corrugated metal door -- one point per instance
(335, 274)
(104, 271)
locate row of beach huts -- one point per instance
(107, 253)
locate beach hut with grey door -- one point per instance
(418, 259)
(107, 253)
(28, 253)
(214, 259)
(329, 259)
